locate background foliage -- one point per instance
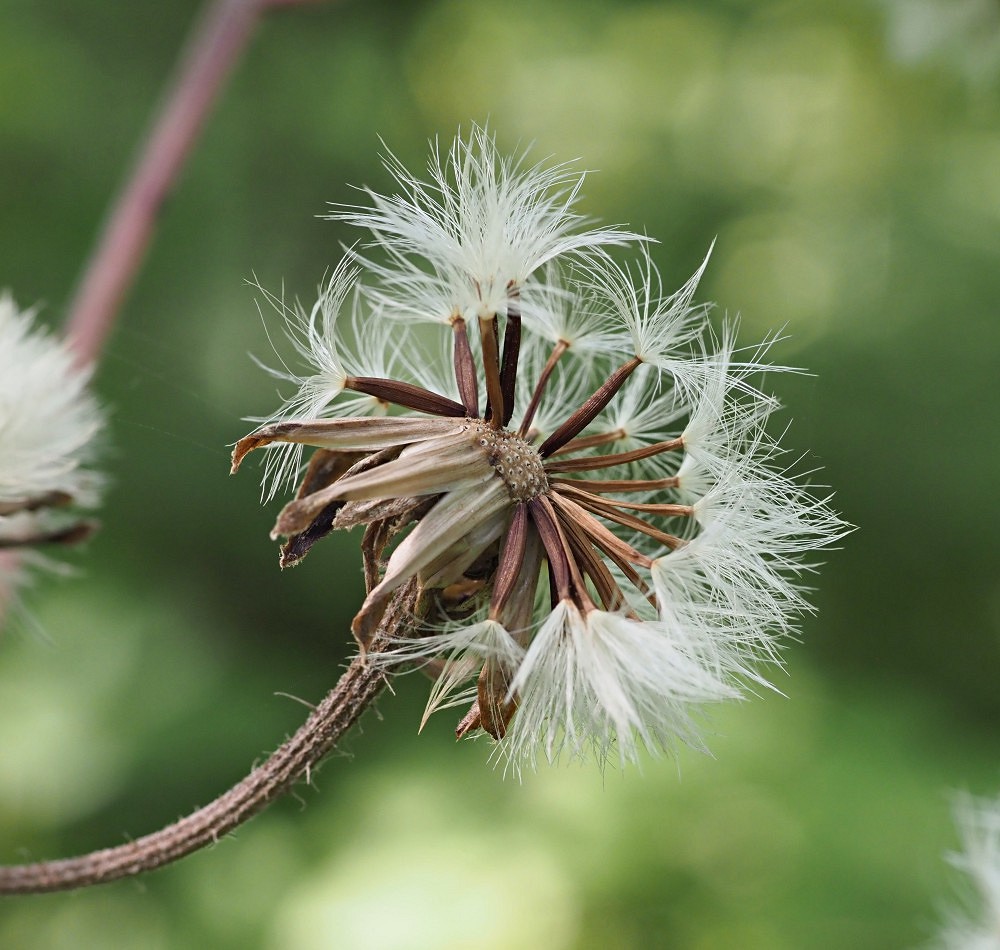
(847, 156)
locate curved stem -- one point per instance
(295, 759)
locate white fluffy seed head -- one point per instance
(659, 325)
(605, 683)
(48, 418)
(700, 567)
(477, 229)
(559, 309)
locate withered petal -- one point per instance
(364, 435)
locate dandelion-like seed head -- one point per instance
(464, 242)
(48, 421)
(583, 491)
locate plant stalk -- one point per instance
(297, 758)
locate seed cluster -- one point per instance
(666, 583)
(516, 461)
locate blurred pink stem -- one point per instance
(215, 45)
(216, 42)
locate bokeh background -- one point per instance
(847, 157)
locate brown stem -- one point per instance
(491, 370)
(216, 42)
(583, 551)
(536, 397)
(588, 442)
(618, 484)
(52, 499)
(591, 462)
(407, 395)
(623, 554)
(545, 523)
(71, 534)
(508, 365)
(586, 414)
(465, 369)
(511, 561)
(297, 758)
(628, 521)
(583, 599)
(666, 510)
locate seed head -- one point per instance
(581, 484)
(48, 421)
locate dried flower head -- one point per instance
(577, 472)
(48, 421)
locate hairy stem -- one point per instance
(297, 758)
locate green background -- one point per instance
(847, 157)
